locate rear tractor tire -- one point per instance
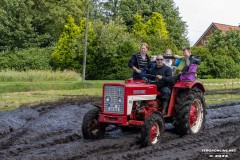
(152, 129)
(91, 129)
(190, 112)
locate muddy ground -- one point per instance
(53, 131)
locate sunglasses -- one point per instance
(159, 59)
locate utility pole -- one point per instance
(85, 45)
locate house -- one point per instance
(213, 27)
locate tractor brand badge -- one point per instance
(115, 108)
(139, 91)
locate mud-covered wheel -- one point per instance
(190, 112)
(91, 129)
(152, 129)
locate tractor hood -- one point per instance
(136, 87)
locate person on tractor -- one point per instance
(187, 55)
(188, 59)
(172, 63)
(163, 74)
(187, 73)
(139, 61)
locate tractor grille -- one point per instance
(116, 102)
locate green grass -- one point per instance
(10, 101)
(15, 81)
(218, 80)
(36, 76)
(225, 87)
(217, 99)
(16, 94)
(20, 91)
(9, 87)
(224, 83)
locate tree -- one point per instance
(139, 27)
(66, 51)
(156, 26)
(35, 23)
(227, 40)
(174, 24)
(220, 43)
(16, 29)
(153, 32)
(109, 10)
(109, 52)
(49, 16)
(221, 57)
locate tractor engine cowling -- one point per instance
(113, 100)
(118, 98)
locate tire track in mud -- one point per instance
(222, 128)
(170, 149)
(54, 132)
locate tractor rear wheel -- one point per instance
(91, 129)
(190, 111)
(152, 129)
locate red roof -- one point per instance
(218, 26)
(224, 27)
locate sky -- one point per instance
(199, 14)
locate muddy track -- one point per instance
(223, 91)
(53, 131)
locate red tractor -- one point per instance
(136, 104)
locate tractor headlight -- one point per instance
(120, 100)
(108, 99)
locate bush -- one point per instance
(218, 63)
(26, 59)
(109, 53)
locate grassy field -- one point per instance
(35, 87)
(18, 89)
(40, 92)
(36, 76)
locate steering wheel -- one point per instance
(152, 79)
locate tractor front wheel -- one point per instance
(152, 129)
(91, 129)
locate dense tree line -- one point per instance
(116, 29)
(34, 23)
(48, 34)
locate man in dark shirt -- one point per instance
(163, 74)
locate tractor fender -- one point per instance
(190, 85)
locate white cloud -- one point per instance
(199, 14)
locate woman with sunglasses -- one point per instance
(140, 61)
